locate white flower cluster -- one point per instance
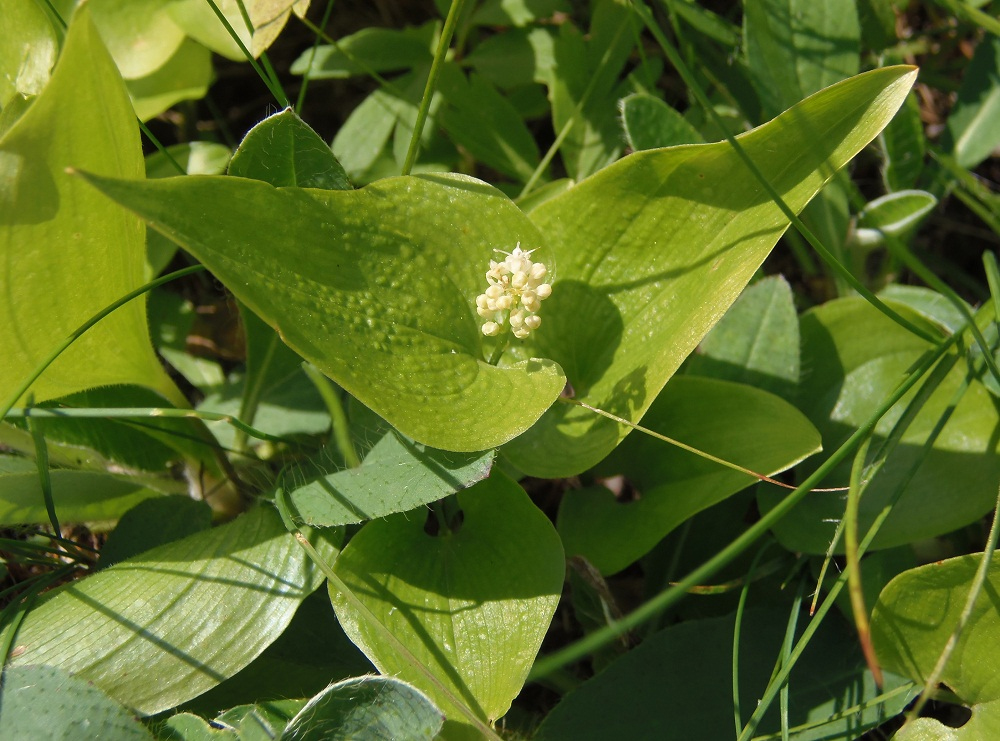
(515, 294)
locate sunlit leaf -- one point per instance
(652, 251)
(471, 606)
(165, 626)
(376, 287)
(60, 239)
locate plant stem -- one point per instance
(498, 351)
(425, 102)
(338, 420)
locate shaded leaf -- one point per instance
(79, 496)
(46, 702)
(737, 423)
(517, 12)
(678, 685)
(903, 144)
(650, 123)
(857, 357)
(973, 129)
(797, 47)
(185, 76)
(756, 342)
(152, 523)
(369, 50)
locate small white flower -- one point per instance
(514, 295)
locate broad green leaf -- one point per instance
(857, 357)
(828, 216)
(913, 621)
(678, 684)
(931, 304)
(591, 64)
(45, 702)
(878, 23)
(797, 47)
(896, 215)
(756, 342)
(79, 496)
(153, 444)
(283, 150)
(188, 727)
(483, 121)
(151, 523)
(517, 12)
(311, 652)
(140, 36)
(472, 606)
(903, 144)
(197, 158)
(650, 123)
(516, 57)
(973, 129)
(288, 405)
(173, 321)
(165, 626)
(267, 18)
(397, 475)
(369, 50)
(60, 239)
(365, 133)
(185, 76)
(366, 709)
(28, 49)
(737, 423)
(259, 721)
(376, 287)
(274, 395)
(652, 251)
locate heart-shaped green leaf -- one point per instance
(913, 622)
(737, 423)
(68, 254)
(471, 606)
(165, 626)
(376, 287)
(856, 357)
(284, 150)
(652, 250)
